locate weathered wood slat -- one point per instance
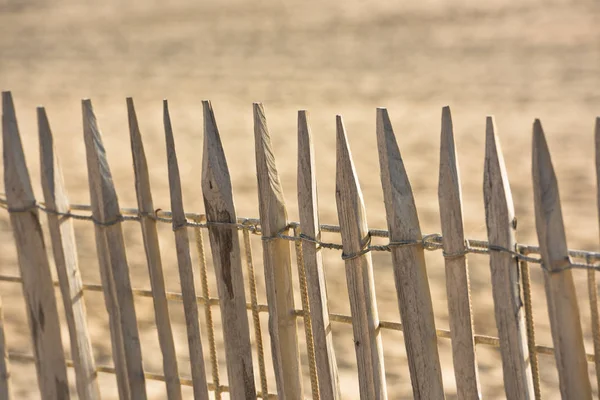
(277, 262)
(592, 288)
(38, 290)
(113, 259)
(563, 311)
(327, 372)
(410, 271)
(225, 247)
(184, 261)
(152, 248)
(65, 258)
(359, 272)
(5, 384)
(506, 289)
(457, 274)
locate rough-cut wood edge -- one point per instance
(592, 289)
(457, 274)
(184, 261)
(5, 384)
(111, 249)
(227, 259)
(65, 257)
(152, 249)
(327, 371)
(38, 290)
(410, 271)
(359, 272)
(508, 303)
(563, 311)
(277, 263)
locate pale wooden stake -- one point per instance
(184, 261)
(152, 248)
(38, 290)
(457, 274)
(592, 289)
(359, 272)
(410, 271)
(563, 311)
(111, 254)
(277, 262)
(227, 259)
(5, 385)
(65, 258)
(327, 372)
(506, 289)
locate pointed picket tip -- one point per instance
(496, 187)
(19, 192)
(398, 195)
(216, 181)
(178, 214)
(307, 181)
(140, 164)
(273, 213)
(548, 213)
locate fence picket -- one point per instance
(326, 363)
(65, 258)
(563, 311)
(184, 261)
(457, 273)
(410, 271)
(5, 385)
(278, 264)
(40, 300)
(153, 258)
(225, 247)
(592, 289)
(506, 289)
(111, 251)
(359, 272)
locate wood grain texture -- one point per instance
(64, 249)
(112, 257)
(152, 248)
(277, 263)
(506, 289)
(227, 259)
(359, 272)
(410, 271)
(563, 312)
(327, 371)
(5, 384)
(457, 274)
(184, 261)
(592, 288)
(38, 290)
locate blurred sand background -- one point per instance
(515, 60)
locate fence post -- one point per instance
(38, 289)
(506, 289)
(5, 385)
(184, 261)
(410, 271)
(563, 311)
(112, 256)
(592, 289)
(278, 264)
(457, 273)
(225, 247)
(359, 272)
(326, 363)
(152, 248)
(65, 258)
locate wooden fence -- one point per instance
(509, 263)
